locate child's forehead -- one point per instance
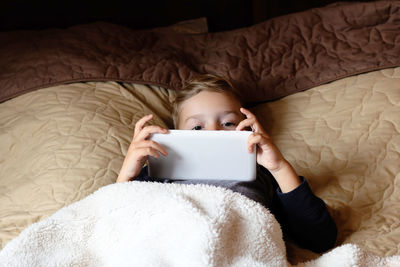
(209, 104)
(209, 95)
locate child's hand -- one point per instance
(140, 149)
(268, 154)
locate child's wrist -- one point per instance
(283, 164)
(286, 177)
(123, 178)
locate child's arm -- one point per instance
(299, 211)
(268, 155)
(140, 149)
(304, 218)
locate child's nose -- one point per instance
(214, 127)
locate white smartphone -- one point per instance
(210, 155)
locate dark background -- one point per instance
(221, 15)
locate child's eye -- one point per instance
(197, 128)
(229, 124)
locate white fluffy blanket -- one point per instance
(153, 224)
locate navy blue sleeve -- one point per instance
(143, 176)
(305, 218)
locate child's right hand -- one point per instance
(140, 149)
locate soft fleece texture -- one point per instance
(152, 224)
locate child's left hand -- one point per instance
(268, 154)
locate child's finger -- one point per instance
(253, 140)
(250, 117)
(147, 151)
(245, 123)
(247, 113)
(255, 125)
(140, 123)
(148, 130)
(154, 145)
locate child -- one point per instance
(212, 103)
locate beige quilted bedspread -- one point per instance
(60, 144)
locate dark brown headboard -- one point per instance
(222, 15)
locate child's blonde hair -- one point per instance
(205, 82)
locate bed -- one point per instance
(325, 83)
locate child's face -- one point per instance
(210, 111)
